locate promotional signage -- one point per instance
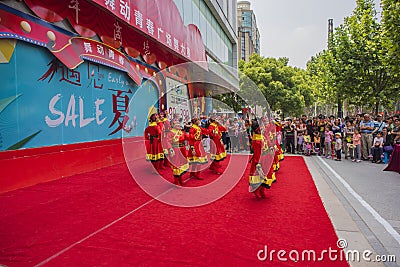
(162, 21)
(177, 99)
(70, 50)
(151, 28)
(53, 105)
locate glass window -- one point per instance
(209, 36)
(196, 12)
(187, 12)
(220, 47)
(242, 47)
(203, 23)
(230, 55)
(215, 41)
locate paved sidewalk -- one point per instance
(353, 223)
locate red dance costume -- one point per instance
(165, 127)
(152, 136)
(196, 154)
(268, 154)
(257, 179)
(177, 154)
(217, 153)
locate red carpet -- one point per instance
(41, 221)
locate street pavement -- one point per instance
(363, 202)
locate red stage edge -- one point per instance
(27, 167)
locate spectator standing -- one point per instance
(390, 124)
(317, 143)
(337, 127)
(358, 120)
(307, 144)
(338, 146)
(304, 119)
(357, 145)
(228, 135)
(396, 131)
(348, 132)
(328, 142)
(300, 141)
(248, 132)
(309, 128)
(387, 142)
(289, 131)
(235, 140)
(366, 128)
(321, 130)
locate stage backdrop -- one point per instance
(43, 103)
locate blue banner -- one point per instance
(44, 103)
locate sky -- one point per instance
(298, 29)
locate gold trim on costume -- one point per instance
(197, 160)
(218, 157)
(257, 137)
(181, 170)
(151, 157)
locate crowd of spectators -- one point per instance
(358, 138)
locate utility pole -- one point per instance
(339, 95)
(330, 32)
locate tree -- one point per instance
(323, 74)
(391, 33)
(354, 67)
(286, 88)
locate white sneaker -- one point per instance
(358, 161)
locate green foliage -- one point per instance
(356, 67)
(361, 66)
(391, 33)
(286, 88)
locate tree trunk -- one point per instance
(377, 106)
(340, 106)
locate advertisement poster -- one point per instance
(43, 103)
(177, 99)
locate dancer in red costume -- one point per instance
(165, 127)
(177, 153)
(275, 162)
(152, 136)
(217, 150)
(196, 155)
(257, 179)
(268, 152)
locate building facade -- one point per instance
(82, 74)
(248, 34)
(216, 21)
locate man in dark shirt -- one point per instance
(289, 136)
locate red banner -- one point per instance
(161, 21)
(152, 28)
(71, 51)
(82, 48)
